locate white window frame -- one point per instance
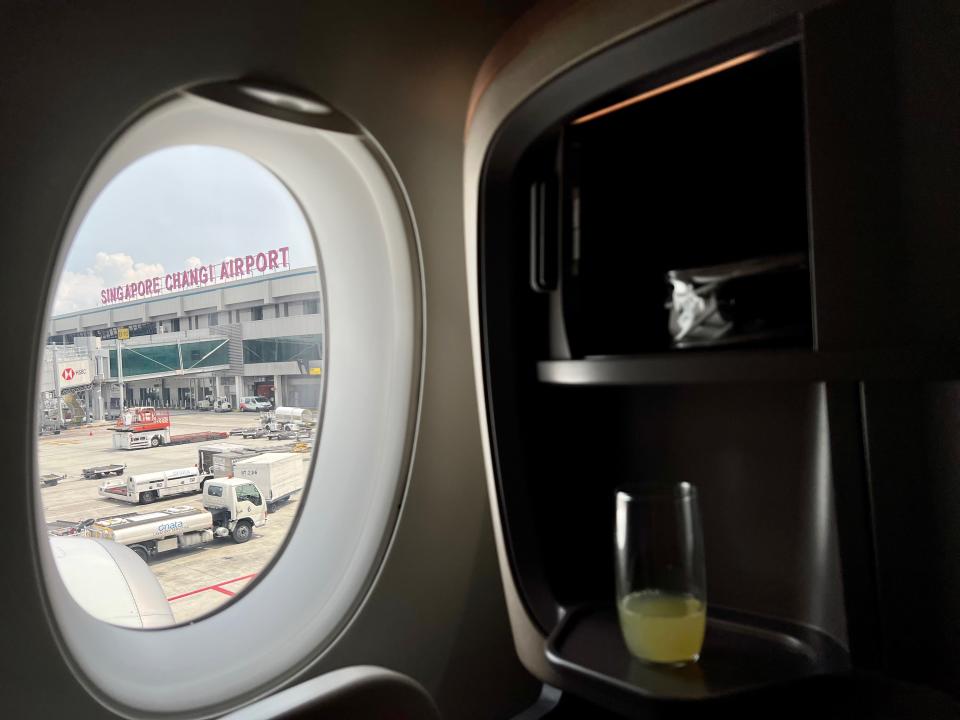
(374, 338)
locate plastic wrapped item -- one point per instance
(751, 300)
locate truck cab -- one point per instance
(236, 505)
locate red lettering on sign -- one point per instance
(230, 268)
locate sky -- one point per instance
(178, 208)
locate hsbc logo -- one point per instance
(69, 374)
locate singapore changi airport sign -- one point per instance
(230, 269)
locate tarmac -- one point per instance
(198, 580)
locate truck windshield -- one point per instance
(248, 492)
(215, 491)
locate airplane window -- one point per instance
(219, 204)
(183, 228)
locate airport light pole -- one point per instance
(123, 396)
(56, 385)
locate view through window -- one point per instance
(181, 381)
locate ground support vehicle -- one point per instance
(140, 427)
(300, 416)
(63, 528)
(231, 507)
(156, 438)
(141, 440)
(277, 475)
(150, 487)
(222, 405)
(51, 479)
(101, 471)
(206, 454)
(223, 463)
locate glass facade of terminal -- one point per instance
(282, 349)
(153, 359)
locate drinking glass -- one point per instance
(661, 574)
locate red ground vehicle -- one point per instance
(142, 419)
(142, 427)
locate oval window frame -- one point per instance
(374, 302)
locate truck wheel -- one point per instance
(141, 552)
(148, 497)
(242, 532)
(154, 441)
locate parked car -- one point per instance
(255, 403)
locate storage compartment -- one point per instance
(702, 169)
(759, 457)
(728, 137)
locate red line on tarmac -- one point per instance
(218, 587)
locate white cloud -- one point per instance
(193, 262)
(81, 290)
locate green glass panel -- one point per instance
(205, 353)
(146, 360)
(282, 349)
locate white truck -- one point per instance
(277, 475)
(231, 507)
(149, 487)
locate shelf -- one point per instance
(741, 653)
(726, 366)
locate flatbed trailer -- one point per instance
(205, 436)
(63, 528)
(124, 440)
(101, 471)
(51, 479)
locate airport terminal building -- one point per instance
(259, 335)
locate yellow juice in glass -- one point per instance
(663, 627)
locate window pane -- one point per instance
(151, 254)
